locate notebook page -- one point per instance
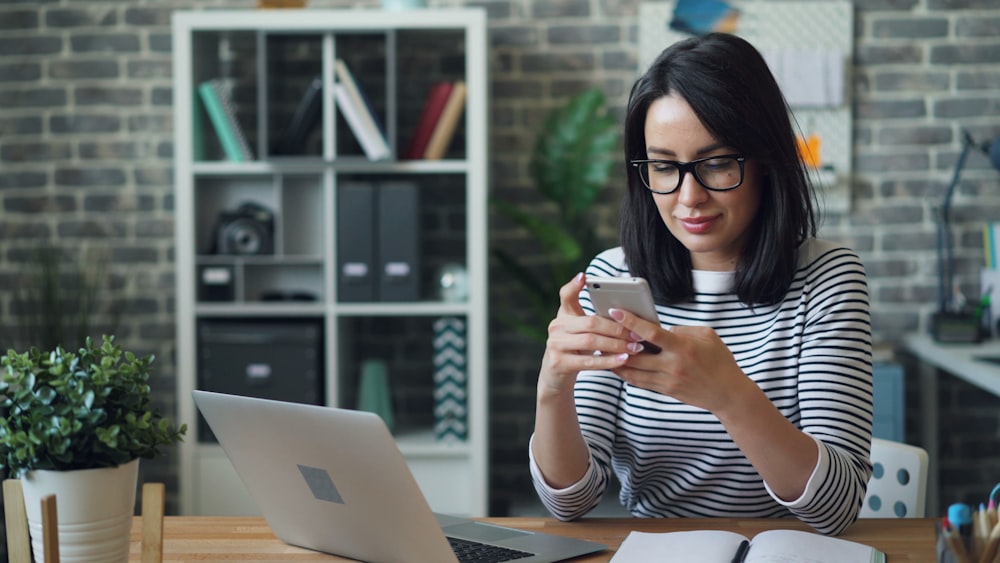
(711, 546)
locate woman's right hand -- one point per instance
(578, 341)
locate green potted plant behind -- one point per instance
(571, 165)
(62, 295)
(73, 419)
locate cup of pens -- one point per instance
(971, 535)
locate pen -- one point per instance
(954, 541)
(741, 552)
(960, 518)
(991, 513)
(980, 530)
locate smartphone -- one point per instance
(629, 294)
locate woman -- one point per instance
(759, 404)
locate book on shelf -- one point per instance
(720, 546)
(372, 138)
(305, 118)
(991, 253)
(429, 115)
(444, 130)
(219, 107)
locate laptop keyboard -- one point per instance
(474, 552)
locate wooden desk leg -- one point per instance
(929, 434)
(18, 537)
(152, 522)
(50, 529)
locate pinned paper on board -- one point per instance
(699, 17)
(809, 78)
(809, 48)
(810, 148)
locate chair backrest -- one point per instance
(898, 487)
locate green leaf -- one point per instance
(572, 159)
(553, 237)
(535, 289)
(89, 410)
(529, 329)
(574, 155)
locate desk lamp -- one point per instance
(948, 324)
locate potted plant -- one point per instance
(77, 425)
(572, 161)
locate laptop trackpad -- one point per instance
(483, 532)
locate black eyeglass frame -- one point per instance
(685, 167)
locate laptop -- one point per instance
(333, 480)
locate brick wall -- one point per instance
(86, 144)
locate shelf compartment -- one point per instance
(365, 53)
(406, 347)
(227, 56)
(279, 196)
(294, 94)
(438, 218)
(283, 283)
(427, 59)
(270, 358)
(218, 201)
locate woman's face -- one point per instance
(712, 225)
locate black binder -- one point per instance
(398, 241)
(356, 265)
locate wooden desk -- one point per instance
(209, 538)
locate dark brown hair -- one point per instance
(727, 83)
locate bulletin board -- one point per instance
(787, 27)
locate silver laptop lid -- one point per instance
(326, 479)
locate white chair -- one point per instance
(898, 487)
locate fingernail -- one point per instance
(616, 314)
(621, 357)
(635, 347)
(634, 336)
(578, 277)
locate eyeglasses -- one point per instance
(717, 173)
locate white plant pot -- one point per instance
(94, 508)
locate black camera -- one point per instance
(249, 229)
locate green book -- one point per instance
(224, 122)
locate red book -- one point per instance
(436, 100)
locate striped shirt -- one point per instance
(810, 354)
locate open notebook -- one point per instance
(333, 480)
(718, 546)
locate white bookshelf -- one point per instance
(302, 192)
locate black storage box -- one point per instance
(280, 359)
